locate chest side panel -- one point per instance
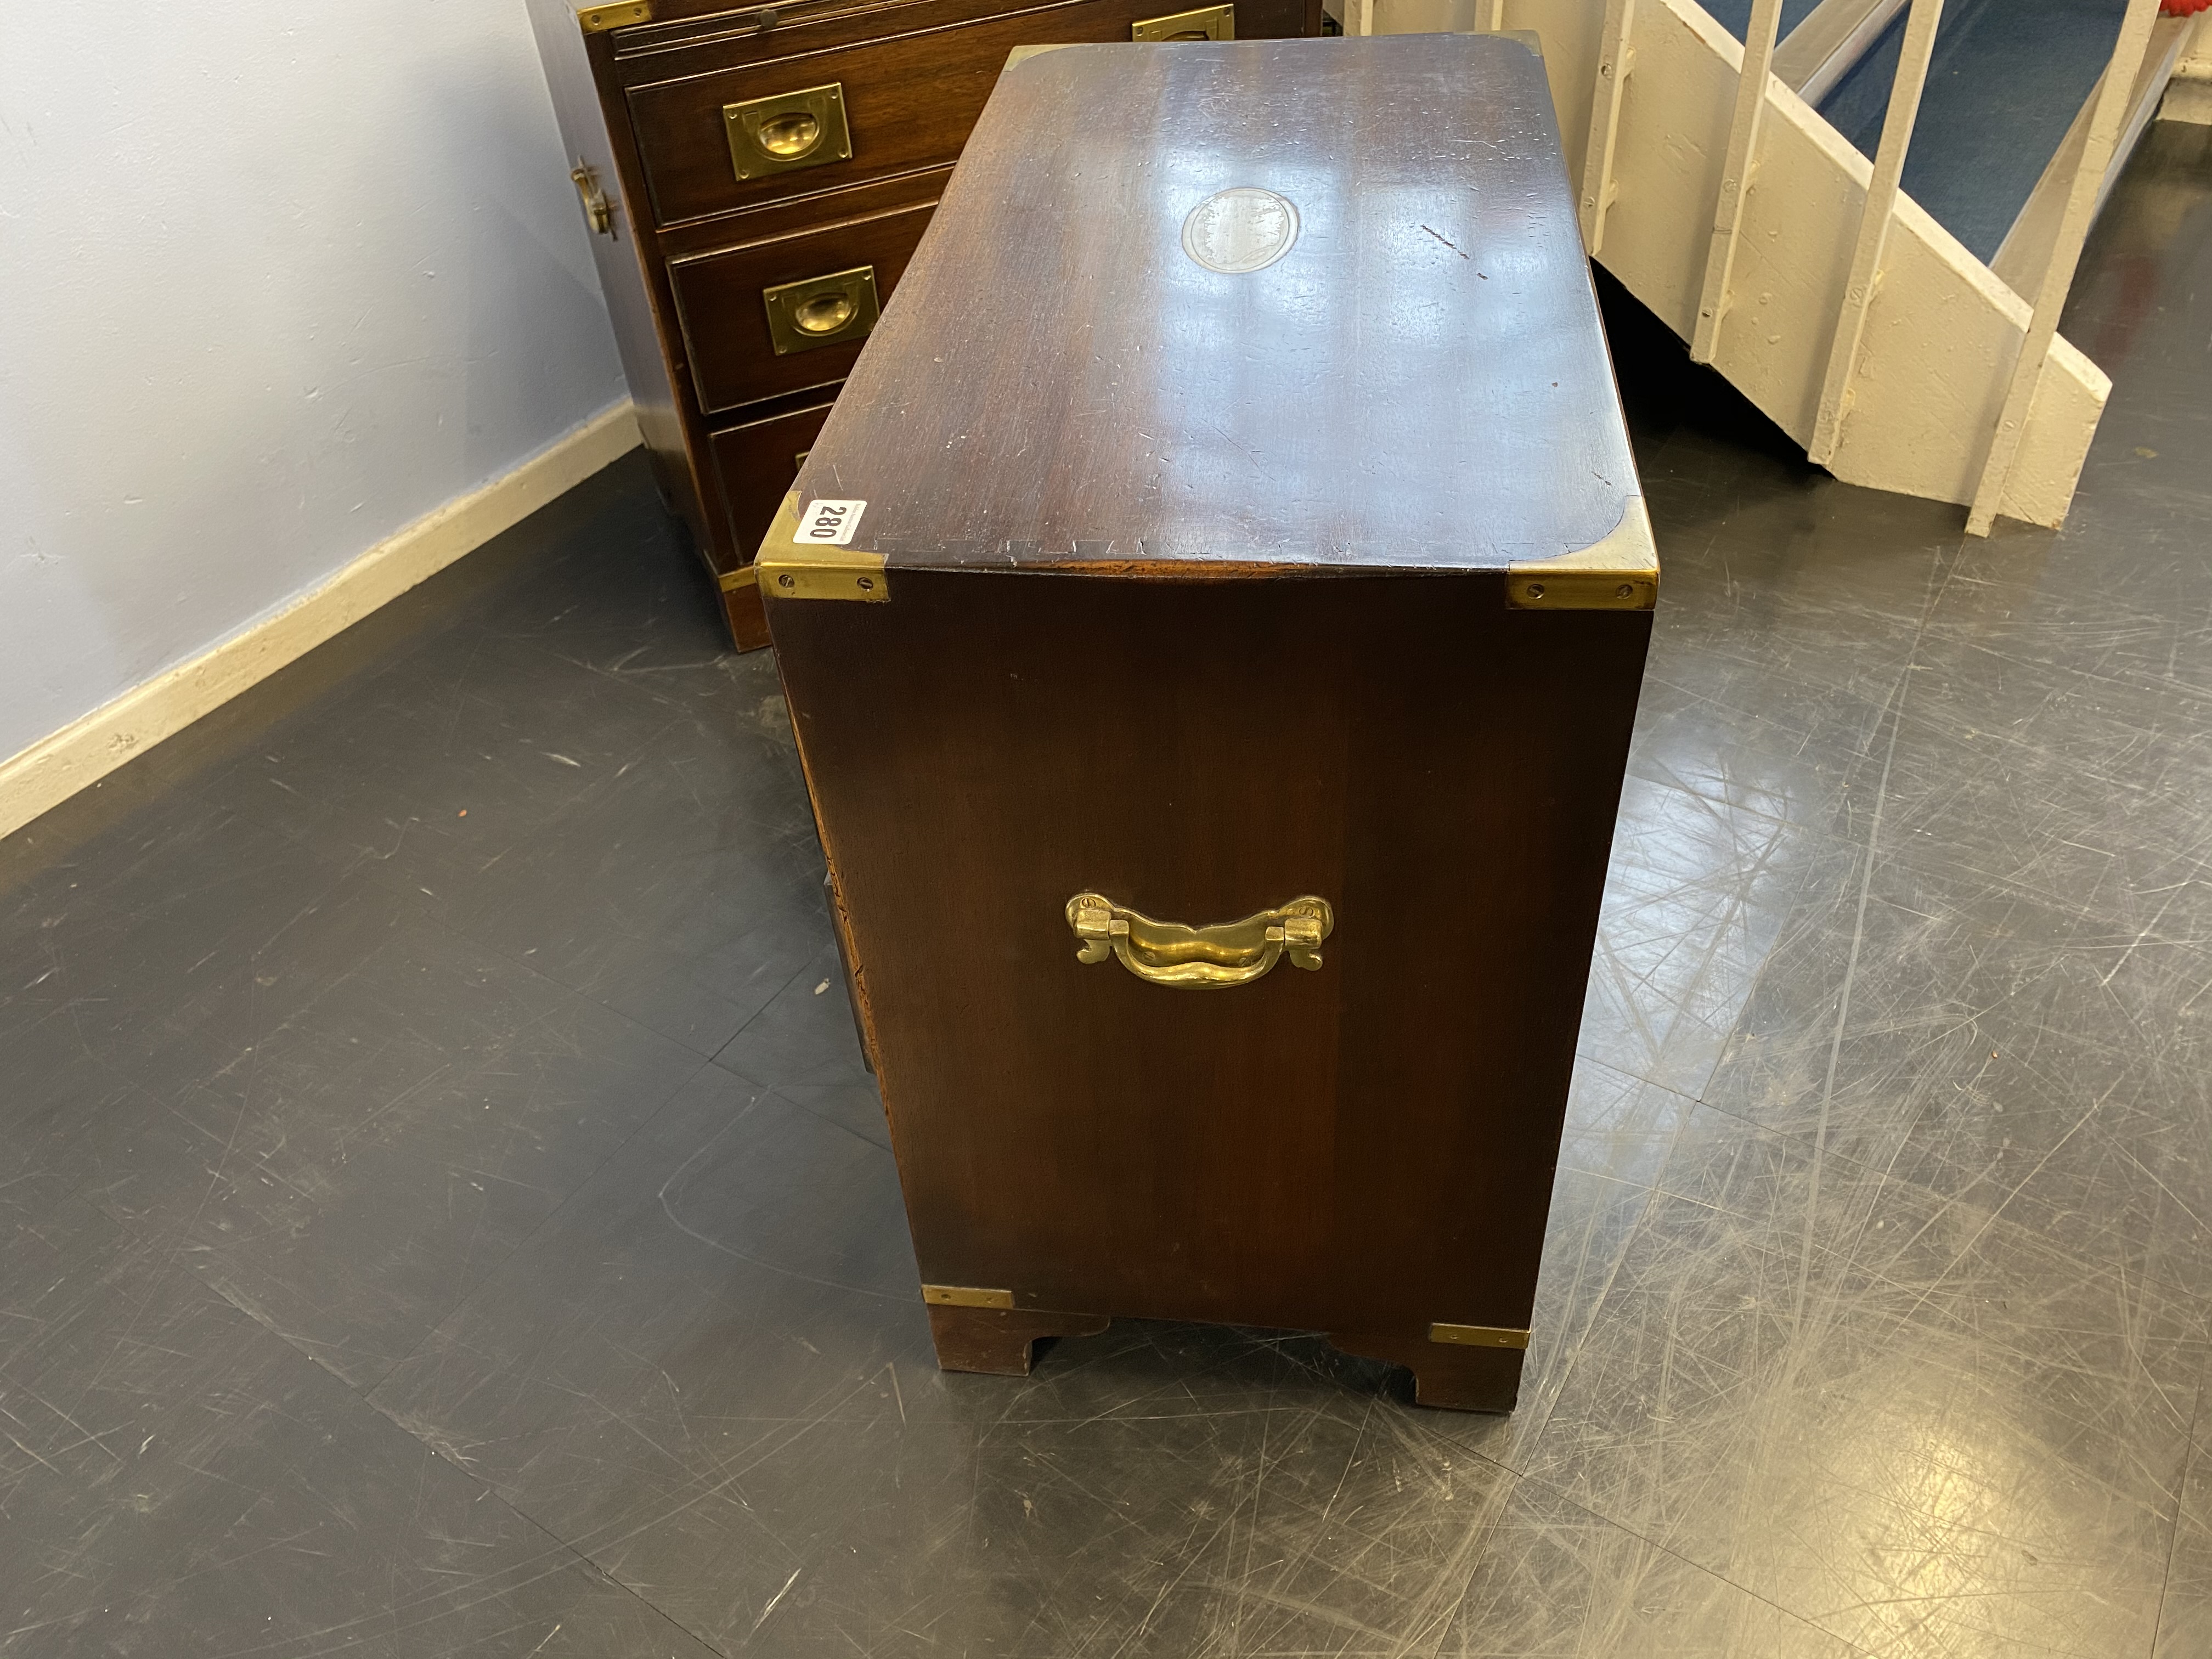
(1300, 1151)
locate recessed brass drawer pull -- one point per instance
(1200, 959)
(1207, 23)
(821, 311)
(789, 131)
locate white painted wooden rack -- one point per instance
(1717, 194)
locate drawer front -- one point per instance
(901, 103)
(757, 462)
(744, 310)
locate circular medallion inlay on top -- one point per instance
(1240, 230)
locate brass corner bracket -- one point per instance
(788, 568)
(965, 1295)
(1619, 571)
(598, 20)
(1479, 1336)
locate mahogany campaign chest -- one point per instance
(755, 174)
(1213, 620)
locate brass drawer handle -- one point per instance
(789, 131)
(1200, 959)
(1207, 23)
(821, 311)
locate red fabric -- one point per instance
(2183, 8)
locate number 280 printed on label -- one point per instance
(828, 524)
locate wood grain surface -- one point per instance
(725, 322)
(1066, 430)
(915, 81)
(757, 460)
(643, 106)
(1420, 383)
(1366, 1148)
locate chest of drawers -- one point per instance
(1214, 666)
(757, 177)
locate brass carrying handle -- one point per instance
(1207, 958)
(598, 211)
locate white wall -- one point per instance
(1428, 16)
(276, 277)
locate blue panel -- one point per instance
(2007, 80)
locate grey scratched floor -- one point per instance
(444, 1212)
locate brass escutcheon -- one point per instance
(821, 311)
(1207, 23)
(1212, 957)
(789, 131)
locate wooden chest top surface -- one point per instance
(1308, 304)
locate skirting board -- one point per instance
(2189, 100)
(2189, 95)
(82, 753)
